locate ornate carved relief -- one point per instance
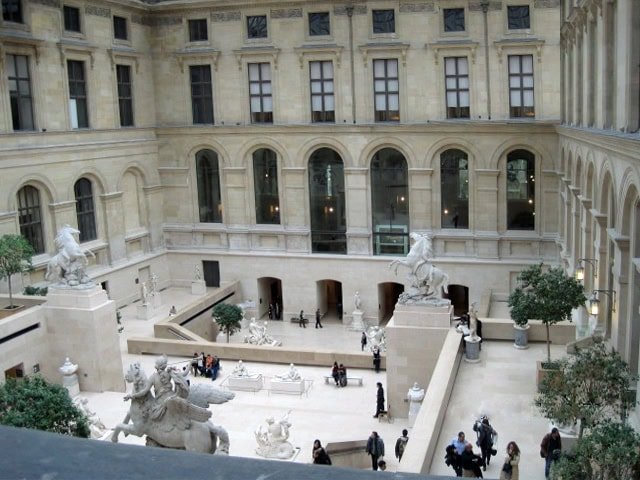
(417, 7)
(233, 16)
(286, 13)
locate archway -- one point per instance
(329, 299)
(388, 294)
(270, 293)
(459, 296)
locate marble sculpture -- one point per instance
(272, 440)
(67, 267)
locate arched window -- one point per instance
(85, 211)
(390, 203)
(454, 189)
(327, 199)
(30, 217)
(521, 192)
(209, 197)
(265, 181)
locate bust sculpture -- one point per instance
(292, 375)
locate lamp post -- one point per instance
(580, 270)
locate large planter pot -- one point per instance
(521, 336)
(6, 311)
(542, 371)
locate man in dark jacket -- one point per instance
(471, 462)
(550, 449)
(486, 436)
(375, 448)
(379, 400)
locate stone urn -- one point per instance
(521, 336)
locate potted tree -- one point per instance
(228, 317)
(15, 257)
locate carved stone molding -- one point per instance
(507, 44)
(417, 7)
(220, 17)
(456, 47)
(330, 51)
(204, 54)
(386, 48)
(124, 53)
(259, 53)
(286, 13)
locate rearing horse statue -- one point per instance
(427, 281)
(67, 267)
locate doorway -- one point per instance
(388, 294)
(270, 294)
(211, 270)
(459, 296)
(329, 299)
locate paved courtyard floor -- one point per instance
(502, 386)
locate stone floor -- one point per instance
(502, 386)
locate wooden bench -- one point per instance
(328, 378)
(305, 320)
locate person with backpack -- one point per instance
(375, 448)
(401, 444)
(486, 438)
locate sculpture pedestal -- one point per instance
(70, 382)
(414, 338)
(357, 324)
(198, 287)
(248, 384)
(284, 386)
(82, 321)
(156, 300)
(144, 312)
(472, 349)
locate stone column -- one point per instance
(296, 219)
(421, 192)
(114, 226)
(154, 199)
(358, 216)
(63, 213)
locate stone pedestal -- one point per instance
(70, 378)
(472, 349)
(414, 338)
(249, 384)
(83, 321)
(156, 300)
(357, 324)
(284, 386)
(198, 287)
(144, 312)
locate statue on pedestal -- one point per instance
(258, 335)
(144, 293)
(272, 440)
(154, 284)
(376, 338)
(67, 267)
(197, 274)
(96, 427)
(473, 323)
(292, 375)
(240, 371)
(426, 282)
(357, 302)
(173, 416)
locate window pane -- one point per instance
(453, 19)
(393, 102)
(328, 103)
(515, 98)
(527, 63)
(254, 88)
(451, 83)
(254, 71)
(454, 187)
(257, 26)
(518, 17)
(514, 64)
(265, 71)
(463, 66)
(528, 98)
(383, 21)
(316, 103)
(450, 66)
(464, 99)
(452, 99)
(392, 68)
(527, 81)
(315, 69)
(463, 82)
(327, 69)
(393, 86)
(378, 68)
(256, 104)
(319, 24)
(381, 102)
(379, 85)
(514, 82)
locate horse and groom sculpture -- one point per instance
(426, 281)
(67, 267)
(175, 415)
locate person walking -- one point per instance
(401, 444)
(375, 448)
(301, 322)
(363, 340)
(510, 468)
(318, 324)
(376, 359)
(470, 462)
(486, 439)
(194, 364)
(320, 455)
(550, 449)
(458, 444)
(379, 400)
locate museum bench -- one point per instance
(327, 378)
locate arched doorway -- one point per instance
(329, 299)
(270, 293)
(459, 296)
(388, 294)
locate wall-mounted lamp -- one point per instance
(594, 303)
(580, 270)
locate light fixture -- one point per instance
(594, 303)
(580, 270)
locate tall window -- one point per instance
(265, 181)
(260, 93)
(456, 73)
(518, 17)
(386, 90)
(321, 76)
(77, 94)
(125, 95)
(327, 201)
(521, 191)
(85, 211)
(20, 92)
(319, 24)
(30, 217)
(384, 21)
(453, 19)
(71, 19)
(201, 96)
(257, 26)
(390, 203)
(209, 196)
(454, 188)
(12, 11)
(120, 28)
(198, 30)
(521, 86)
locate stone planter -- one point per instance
(542, 372)
(521, 336)
(6, 311)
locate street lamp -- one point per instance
(580, 270)
(594, 303)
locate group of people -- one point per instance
(339, 374)
(205, 365)
(466, 463)
(274, 311)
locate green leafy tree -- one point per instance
(228, 317)
(547, 295)
(591, 386)
(32, 402)
(610, 451)
(15, 257)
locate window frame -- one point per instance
(202, 99)
(127, 28)
(521, 88)
(21, 13)
(86, 235)
(454, 152)
(18, 80)
(322, 94)
(512, 155)
(375, 34)
(189, 30)
(517, 31)
(325, 36)
(457, 89)
(35, 238)
(217, 216)
(71, 97)
(66, 31)
(123, 98)
(247, 30)
(387, 93)
(454, 33)
(267, 119)
(277, 212)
